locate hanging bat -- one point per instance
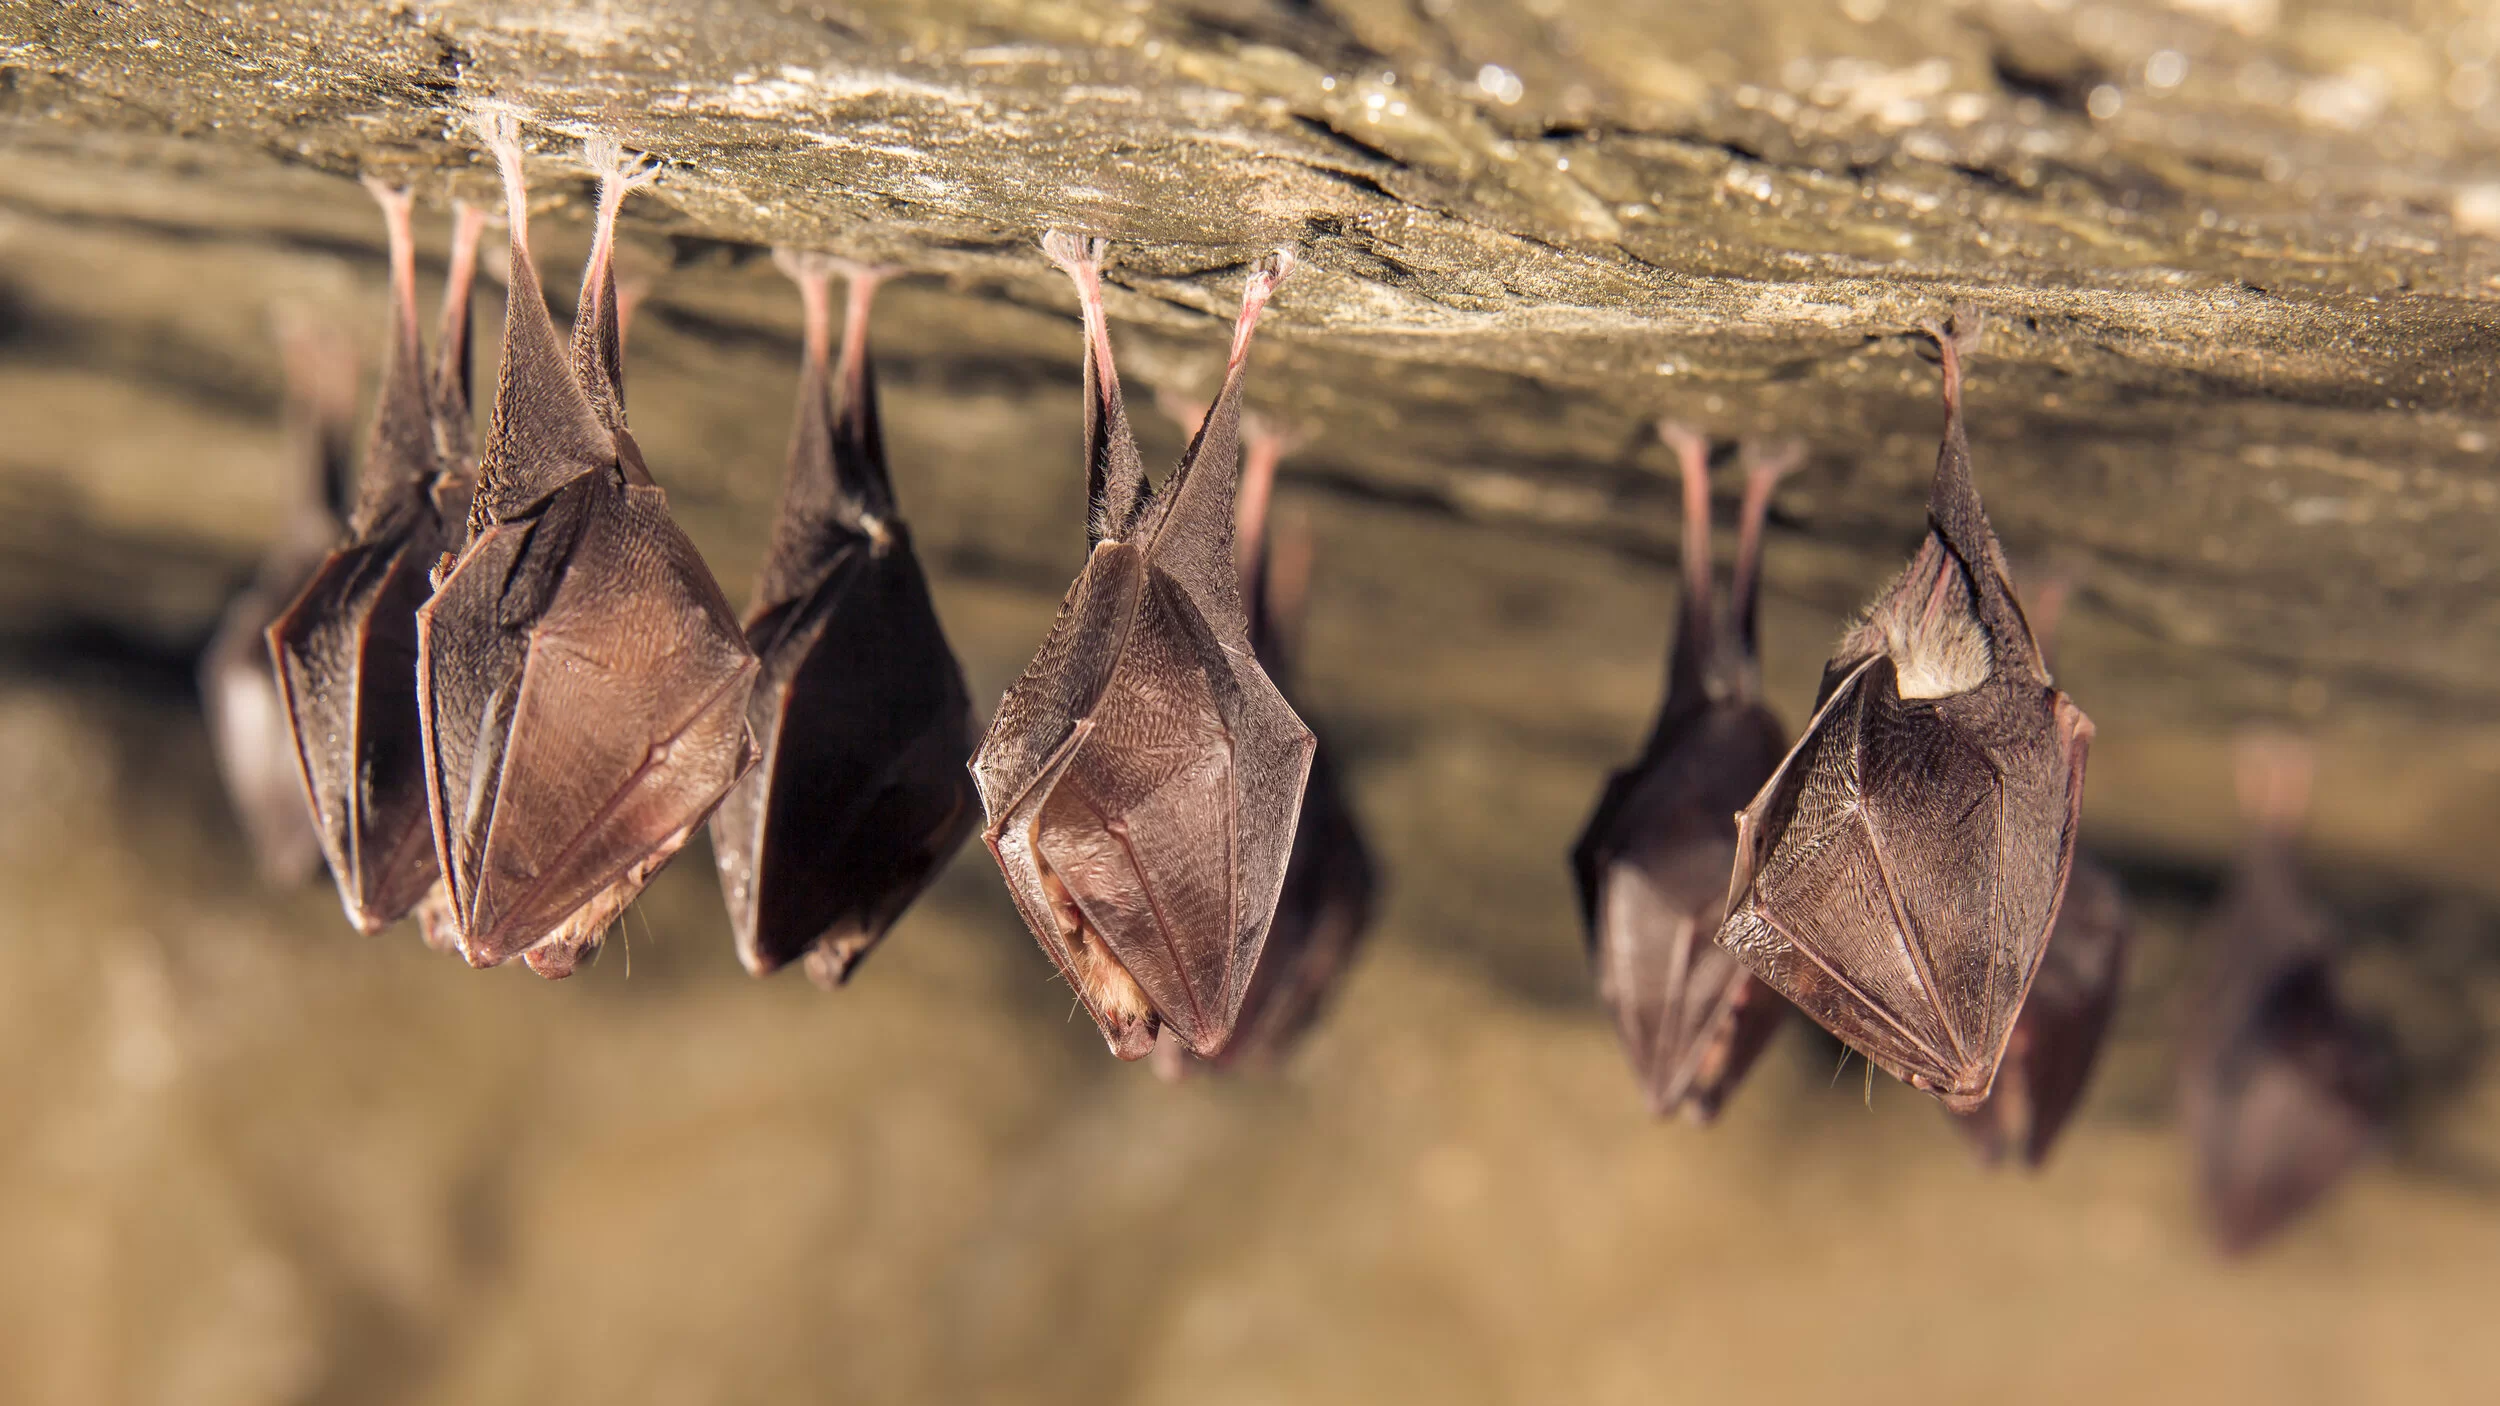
(860, 710)
(247, 718)
(2281, 1087)
(2058, 1036)
(1143, 778)
(345, 652)
(1897, 878)
(1326, 902)
(581, 681)
(1653, 862)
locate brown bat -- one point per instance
(2058, 1036)
(2282, 1088)
(861, 795)
(1326, 902)
(581, 681)
(247, 718)
(1653, 862)
(1143, 778)
(346, 651)
(1898, 877)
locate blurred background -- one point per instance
(2240, 264)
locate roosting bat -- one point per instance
(860, 710)
(1143, 778)
(2058, 1035)
(1652, 865)
(247, 720)
(581, 681)
(1326, 902)
(346, 650)
(1898, 877)
(2282, 1088)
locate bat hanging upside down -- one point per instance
(1652, 863)
(346, 650)
(1897, 878)
(581, 681)
(1143, 777)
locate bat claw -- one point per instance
(498, 127)
(1078, 256)
(606, 158)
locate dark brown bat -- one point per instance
(247, 718)
(862, 794)
(581, 681)
(1143, 778)
(1898, 877)
(2282, 1088)
(1653, 862)
(346, 650)
(2058, 1036)
(1326, 902)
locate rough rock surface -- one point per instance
(2241, 258)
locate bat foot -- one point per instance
(1078, 256)
(606, 158)
(498, 127)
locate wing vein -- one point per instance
(1910, 941)
(1851, 987)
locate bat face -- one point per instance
(1143, 778)
(2282, 1088)
(582, 684)
(346, 650)
(860, 710)
(1652, 863)
(1898, 876)
(2057, 1038)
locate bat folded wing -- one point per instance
(576, 743)
(861, 794)
(346, 657)
(1897, 879)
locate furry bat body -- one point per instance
(860, 710)
(1142, 780)
(1652, 863)
(1898, 877)
(582, 683)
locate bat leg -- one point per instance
(598, 320)
(1956, 338)
(1765, 466)
(396, 207)
(1081, 260)
(454, 428)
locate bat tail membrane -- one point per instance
(1115, 478)
(545, 431)
(455, 427)
(598, 349)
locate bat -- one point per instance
(1653, 861)
(1326, 901)
(581, 680)
(2282, 1089)
(1142, 779)
(345, 652)
(2058, 1036)
(1897, 877)
(859, 711)
(239, 692)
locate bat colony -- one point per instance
(500, 689)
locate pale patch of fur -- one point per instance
(1936, 652)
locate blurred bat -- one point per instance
(2058, 1036)
(346, 650)
(860, 710)
(1653, 862)
(1898, 877)
(247, 718)
(1143, 778)
(581, 681)
(1326, 902)
(2282, 1089)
